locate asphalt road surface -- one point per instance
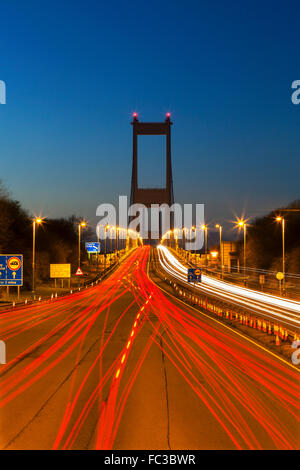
(123, 365)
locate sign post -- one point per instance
(92, 247)
(60, 271)
(194, 275)
(11, 271)
(79, 273)
(280, 276)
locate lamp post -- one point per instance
(36, 222)
(98, 253)
(127, 241)
(184, 232)
(204, 227)
(221, 249)
(195, 231)
(118, 236)
(184, 242)
(176, 240)
(105, 230)
(282, 220)
(110, 238)
(81, 224)
(243, 225)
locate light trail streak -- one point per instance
(233, 372)
(284, 310)
(239, 384)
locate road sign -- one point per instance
(11, 270)
(60, 271)
(92, 247)
(279, 276)
(194, 275)
(79, 272)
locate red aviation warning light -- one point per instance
(168, 116)
(135, 116)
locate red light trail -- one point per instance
(90, 347)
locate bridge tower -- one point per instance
(148, 196)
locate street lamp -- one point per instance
(112, 228)
(98, 246)
(242, 224)
(193, 229)
(221, 249)
(37, 221)
(117, 241)
(105, 230)
(204, 227)
(184, 231)
(81, 224)
(176, 239)
(282, 220)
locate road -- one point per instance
(124, 365)
(274, 308)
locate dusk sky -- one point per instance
(75, 71)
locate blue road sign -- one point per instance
(194, 275)
(92, 247)
(11, 270)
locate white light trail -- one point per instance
(276, 308)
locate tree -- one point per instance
(56, 239)
(264, 240)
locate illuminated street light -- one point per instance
(282, 220)
(105, 230)
(193, 229)
(81, 225)
(117, 241)
(221, 249)
(242, 224)
(37, 221)
(112, 229)
(204, 228)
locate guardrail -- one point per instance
(225, 312)
(251, 278)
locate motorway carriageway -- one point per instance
(123, 365)
(285, 311)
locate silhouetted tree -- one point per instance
(56, 239)
(264, 240)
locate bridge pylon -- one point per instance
(149, 196)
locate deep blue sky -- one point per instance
(75, 70)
